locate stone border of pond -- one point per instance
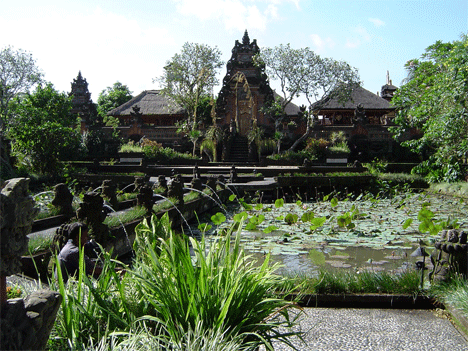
(395, 301)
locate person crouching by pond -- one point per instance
(69, 256)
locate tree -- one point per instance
(18, 74)
(303, 72)
(110, 98)
(433, 101)
(188, 77)
(43, 129)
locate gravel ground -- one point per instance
(348, 329)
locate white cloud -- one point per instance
(235, 14)
(322, 43)
(377, 22)
(105, 46)
(360, 36)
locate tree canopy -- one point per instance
(303, 72)
(110, 98)
(433, 102)
(42, 129)
(18, 74)
(191, 74)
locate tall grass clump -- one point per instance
(454, 292)
(216, 288)
(91, 308)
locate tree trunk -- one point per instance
(302, 138)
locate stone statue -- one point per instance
(92, 212)
(109, 191)
(360, 115)
(25, 324)
(176, 190)
(145, 198)
(450, 255)
(63, 200)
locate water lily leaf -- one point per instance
(407, 223)
(269, 229)
(317, 257)
(204, 227)
(334, 202)
(279, 203)
(307, 216)
(291, 218)
(239, 217)
(218, 218)
(258, 207)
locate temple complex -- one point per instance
(365, 118)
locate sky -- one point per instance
(131, 41)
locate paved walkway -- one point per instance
(348, 329)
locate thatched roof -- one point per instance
(290, 109)
(150, 102)
(359, 95)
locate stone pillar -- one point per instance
(24, 324)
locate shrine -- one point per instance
(82, 103)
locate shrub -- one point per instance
(217, 286)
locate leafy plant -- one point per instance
(217, 287)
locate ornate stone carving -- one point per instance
(17, 212)
(92, 212)
(450, 255)
(63, 200)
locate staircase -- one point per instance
(239, 150)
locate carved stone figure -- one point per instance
(25, 324)
(176, 190)
(92, 212)
(63, 200)
(17, 212)
(360, 115)
(162, 183)
(109, 190)
(145, 198)
(450, 255)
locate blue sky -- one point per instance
(130, 41)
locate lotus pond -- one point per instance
(360, 233)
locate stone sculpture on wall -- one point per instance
(25, 324)
(450, 255)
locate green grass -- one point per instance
(341, 282)
(459, 189)
(40, 243)
(453, 292)
(215, 300)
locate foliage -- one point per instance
(155, 152)
(340, 282)
(38, 121)
(18, 74)
(110, 98)
(303, 72)
(13, 292)
(293, 157)
(217, 287)
(131, 147)
(434, 102)
(458, 189)
(190, 75)
(98, 143)
(454, 292)
(317, 147)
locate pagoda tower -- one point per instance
(83, 106)
(239, 104)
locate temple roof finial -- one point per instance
(245, 38)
